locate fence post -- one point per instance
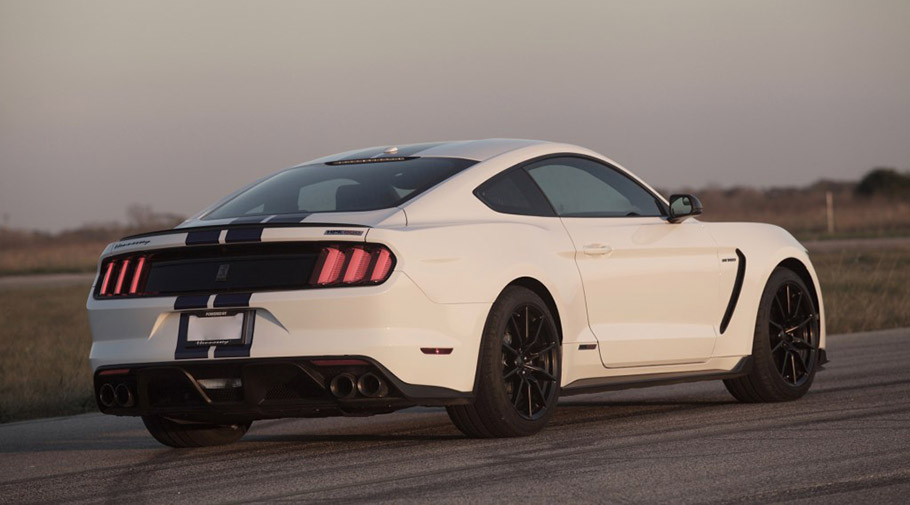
(829, 211)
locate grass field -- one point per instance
(44, 344)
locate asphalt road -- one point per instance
(848, 441)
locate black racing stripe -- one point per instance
(240, 351)
(288, 218)
(244, 235)
(202, 237)
(183, 351)
(737, 288)
(232, 300)
(250, 220)
(186, 302)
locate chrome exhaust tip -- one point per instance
(371, 386)
(343, 386)
(106, 396)
(124, 396)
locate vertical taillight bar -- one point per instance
(107, 278)
(121, 276)
(357, 266)
(137, 274)
(382, 266)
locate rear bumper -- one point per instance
(248, 389)
(390, 324)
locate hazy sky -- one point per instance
(174, 104)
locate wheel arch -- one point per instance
(540, 290)
(800, 269)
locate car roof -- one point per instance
(477, 150)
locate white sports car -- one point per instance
(489, 277)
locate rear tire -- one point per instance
(519, 372)
(785, 345)
(177, 434)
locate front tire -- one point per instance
(785, 345)
(519, 372)
(177, 434)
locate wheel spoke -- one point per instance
(793, 366)
(530, 407)
(776, 347)
(536, 334)
(509, 348)
(780, 306)
(783, 368)
(799, 302)
(511, 372)
(542, 351)
(517, 329)
(787, 289)
(518, 391)
(540, 395)
(540, 371)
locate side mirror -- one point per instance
(683, 207)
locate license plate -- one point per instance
(215, 327)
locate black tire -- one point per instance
(178, 434)
(785, 345)
(519, 370)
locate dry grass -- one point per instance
(51, 258)
(44, 347)
(865, 289)
(802, 211)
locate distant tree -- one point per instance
(883, 181)
(142, 217)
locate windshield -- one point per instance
(341, 187)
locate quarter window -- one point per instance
(513, 192)
(578, 187)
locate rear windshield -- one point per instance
(341, 187)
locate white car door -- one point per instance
(651, 287)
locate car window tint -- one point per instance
(578, 187)
(341, 187)
(513, 192)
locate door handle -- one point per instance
(597, 249)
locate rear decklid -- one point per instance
(229, 257)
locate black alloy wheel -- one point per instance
(794, 335)
(528, 362)
(519, 370)
(785, 343)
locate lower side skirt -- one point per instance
(597, 385)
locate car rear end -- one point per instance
(244, 320)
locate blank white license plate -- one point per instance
(215, 328)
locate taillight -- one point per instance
(341, 265)
(123, 276)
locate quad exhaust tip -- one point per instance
(107, 396)
(371, 386)
(343, 386)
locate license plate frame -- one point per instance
(218, 327)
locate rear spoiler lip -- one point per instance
(175, 231)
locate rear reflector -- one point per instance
(436, 350)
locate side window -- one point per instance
(513, 192)
(577, 187)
